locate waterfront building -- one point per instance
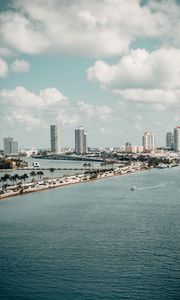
(55, 139)
(134, 149)
(10, 146)
(177, 139)
(80, 140)
(148, 141)
(169, 139)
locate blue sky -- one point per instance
(111, 66)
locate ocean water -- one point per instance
(94, 241)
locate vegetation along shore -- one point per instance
(20, 185)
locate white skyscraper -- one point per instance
(55, 139)
(10, 146)
(148, 141)
(80, 140)
(169, 139)
(177, 139)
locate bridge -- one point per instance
(70, 157)
(76, 158)
(55, 169)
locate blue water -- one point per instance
(51, 163)
(94, 241)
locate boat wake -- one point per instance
(134, 188)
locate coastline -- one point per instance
(57, 182)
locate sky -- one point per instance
(112, 66)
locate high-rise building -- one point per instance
(10, 146)
(177, 139)
(55, 139)
(85, 142)
(80, 141)
(169, 139)
(148, 141)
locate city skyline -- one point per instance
(117, 84)
(148, 141)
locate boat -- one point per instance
(35, 164)
(133, 189)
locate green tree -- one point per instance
(51, 170)
(4, 181)
(85, 165)
(13, 178)
(89, 166)
(33, 174)
(40, 174)
(24, 177)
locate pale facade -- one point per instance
(148, 141)
(80, 140)
(10, 146)
(177, 139)
(169, 139)
(55, 139)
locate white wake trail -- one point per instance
(151, 187)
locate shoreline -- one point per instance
(58, 182)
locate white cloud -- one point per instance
(90, 28)
(25, 118)
(67, 117)
(170, 10)
(3, 68)
(103, 112)
(142, 77)
(20, 34)
(6, 52)
(53, 96)
(20, 66)
(140, 69)
(155, 96)
(104, 130)
(49, 105)
(21, 97)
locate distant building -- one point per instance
(85, 142)
(55, 139)
(80, 141)
(148, 141)
(134, 149)
(28, 152)
(128, 144)
(10, 146)
(177, 139)
(169, 139)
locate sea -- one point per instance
(95, 240)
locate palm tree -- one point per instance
(89, 166)
(24, 177)
(40, 174)
(51, 170)
(3, 180)
(17, 176)
(32, 174)
(7, 177)
(13, 178)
